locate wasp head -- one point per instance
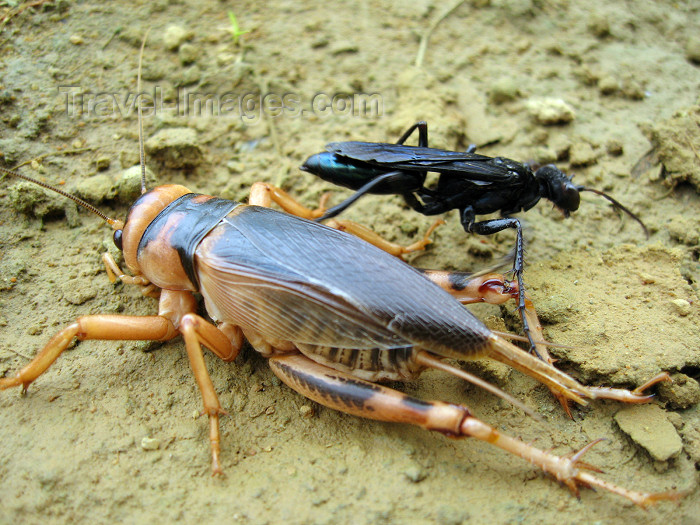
(556, 186)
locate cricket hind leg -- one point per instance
(351, 395)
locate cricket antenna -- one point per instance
(114, 223)
(142, 154)
(617, 205)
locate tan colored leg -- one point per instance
(175, 316)
(106, 327)
(492, 288)
(114, 273)
(263, 194)
(364, 233)
(196, 331)
(361, 398)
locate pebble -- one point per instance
(174, 36)
(682, 393)
(77, 292)
(608, 85)
(129, 184)
(175, 148)
(582, 154)
(306, 411)
(692, 49)
(188, 53)
(681, 306)
(614, 147)
(648, 427)
(96, 189)
(76, 40)
(148, 443)
(503, 90)
(599, 25)
(342, 47)
(102, 163)
(549, 110)
(415, 473)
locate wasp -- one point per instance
(333, 314)
(472, 183)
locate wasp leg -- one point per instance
(495, 289)
(263, 194)
(492, 226)
(348, 394)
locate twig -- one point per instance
(54, 154)
(426, 36)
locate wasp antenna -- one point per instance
(116, 224)
(142, 154)
(617, 205)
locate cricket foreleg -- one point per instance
(105, 327)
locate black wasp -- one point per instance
(472, 183)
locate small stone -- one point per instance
(320, 42)
(681, 306)
(550, 111)
(189, 75)
(608, 85)
(32, 200)
(648, 426)
(503, 90)
(692, 48)
(343, 47)
(77, 292)
(188, 53)
(306, 411)
(682, 393)
(174, 36)
(676, 420)
(175, 148)
(148, 443)
(415, 473)
(582, 154)
(555, 308)
(632, 89)
(76, 40)
(102, 163)
(647, 278)
(599, 25)
(614, 147)
(129, 184)
(96, 188)
(546, 155)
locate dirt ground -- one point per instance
(109, 432)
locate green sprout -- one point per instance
(235, 29)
